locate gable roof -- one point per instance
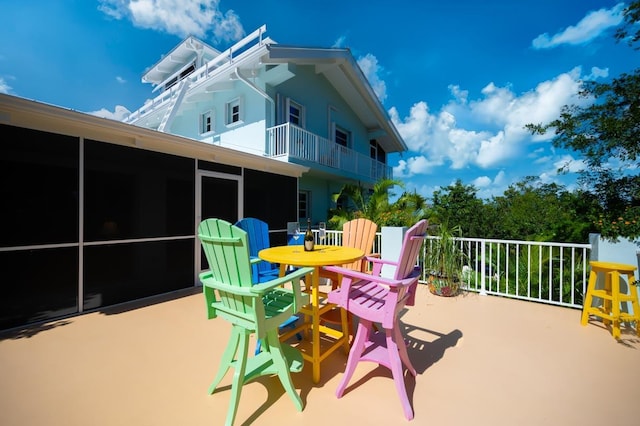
(343, 72)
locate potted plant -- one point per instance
(444, 261)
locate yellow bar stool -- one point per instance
(611, 296)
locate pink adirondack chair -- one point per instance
(375, 299)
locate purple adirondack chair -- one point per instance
(374, 299)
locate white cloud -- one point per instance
(497, 118)
(119, 114)
(4, 87)
(418, 165)
(120, 80)
(340, 42)
(179, 17)
(481, 182)
(415, 128)
(371, 69)
(596, 73)
(569, 164)
(460, 95)
(589, 27)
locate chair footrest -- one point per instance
(622, 297)
(262, 364)
(624, 316)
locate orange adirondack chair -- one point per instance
(358, 233)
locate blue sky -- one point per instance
(458, 78)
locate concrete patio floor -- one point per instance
(480, 360)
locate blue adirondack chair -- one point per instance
(261, 271)
(250, 308)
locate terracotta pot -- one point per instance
(440, 287)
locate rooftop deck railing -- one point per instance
(289, 140)
(211, 68)
(545, 272)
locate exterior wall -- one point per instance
(246, 136)
(322, 191)
(323, 104)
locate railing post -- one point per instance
(483, 269)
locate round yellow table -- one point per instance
(295, 255)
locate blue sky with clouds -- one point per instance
(459, 79)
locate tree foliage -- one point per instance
(458, 205)
(374, 204)
(607, 133)
(527, 210)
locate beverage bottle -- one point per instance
(308, 237)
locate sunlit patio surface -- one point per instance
(480, 360)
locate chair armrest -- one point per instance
(255, 259)
(293, 277)
(377, 259)
(340, 296)
(377, 263)
(208, 281)
(356, 276)
(297, 274)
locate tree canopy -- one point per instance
(607, 133)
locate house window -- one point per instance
(376, 151)
(234, 112)
(206, 122)
(342, 137)
(304, 204)
(296, 113)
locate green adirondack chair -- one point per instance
(260, 309)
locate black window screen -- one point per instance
(38, 187)
(134, 193)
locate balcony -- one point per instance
(288, 141)
(480, 360)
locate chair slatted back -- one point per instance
(258, 237)
(359, 233)
(413, 239)
(411, 244)
(227, 252)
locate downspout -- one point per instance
(261, 92)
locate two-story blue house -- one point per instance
(311, 106)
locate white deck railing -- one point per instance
(545, 272)
(290, 141)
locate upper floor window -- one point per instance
(296, 113)
(342, 137)
(376, 152)
(233, 112)
(206, 122)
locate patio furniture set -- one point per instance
(259, 290)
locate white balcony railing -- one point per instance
(545, 272)
(291, 141)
